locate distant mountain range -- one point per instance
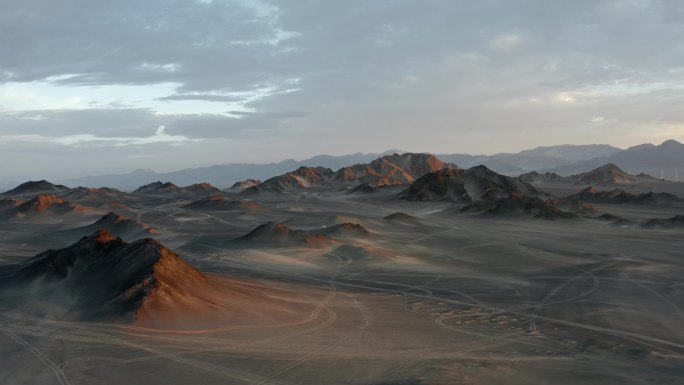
(665, 158)
(661, 161)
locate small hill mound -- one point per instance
(33, 187)
(86, 193)
(399, 216)
(220, 203)
(120, 226)
(201, 188)
(532, 206)
(535, 177)
(273, 234)
(615, 220)
(606, 174)
(43, 204)
(364, 188)
(619, 196)
(342, 230)
(676, 221)
(157, 187)
(302, 177)
(465, 186)
(244, 184)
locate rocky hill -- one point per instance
(465, 186)
(273, 234)
(32, 187)
(103, 277)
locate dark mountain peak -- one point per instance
(481, 170)
(270, 228)
(364, 187)
(302, 177)
(279, 234)
(111, 217)
(607, 174)
(88, 192)
(516, 204)
(221, 203)
(100, 236)
(399, 216)
(464, 186)
(671, 144)
(102, 276)
(157, 186)
(609, 167)
(247, 183)
(201, 187)
(535, 177)
(618, 196)
(640, 147)
(35, 186)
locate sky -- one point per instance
(95, 87)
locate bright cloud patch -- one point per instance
(161, 98)
(160, 136)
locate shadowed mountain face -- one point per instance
(201, 188)
(399, 216)
(547, 177)
(247, 183)
(519, 205)
(33, 187)
(618, 196)
(103, 277)
(120, 226)
(607, 174)
(652, 159)
(676, 221)
(465, 186)
(302, 177)
(273, 234)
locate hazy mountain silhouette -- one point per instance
(667, 157)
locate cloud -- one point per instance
(507, 42)
(160, 136)
(282, 79)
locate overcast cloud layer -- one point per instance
(109, 86)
